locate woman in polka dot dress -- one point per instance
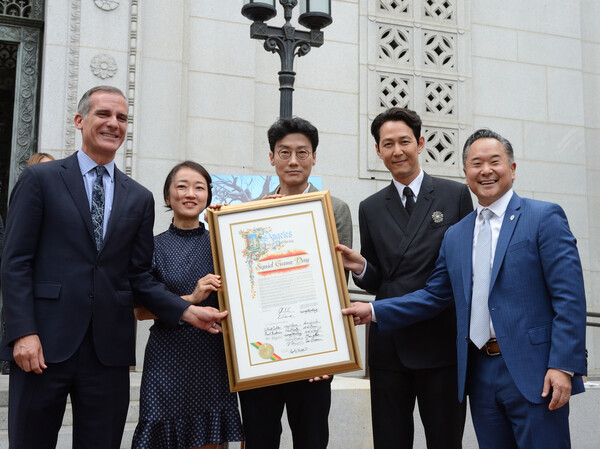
(185, 400)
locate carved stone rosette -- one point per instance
(107, 5)
(103, 66)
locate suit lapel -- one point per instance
(511, 218)
(71, 175)
(409, 225)
(422, 207)
(394, 206)
(119, 200)
(466, 253)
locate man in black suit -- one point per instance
(69, 283)
(401, 230)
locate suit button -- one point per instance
(96, 267)
(91, 294)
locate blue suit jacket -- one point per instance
(536, 301)
(54, 281)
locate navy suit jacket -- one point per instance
(536, 300)
(54, 281)
(401, 254)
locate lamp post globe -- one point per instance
(315, 14)
(315, 20)
(259, 11)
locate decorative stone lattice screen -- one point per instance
(418, 58)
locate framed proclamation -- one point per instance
(284, 286)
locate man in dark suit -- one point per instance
(401, 230)
(78, 251)
(513, 272)
(293, 143)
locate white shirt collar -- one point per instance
(499, 206)
(415, 185)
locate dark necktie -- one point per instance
(98, 206)
(410, 199)
(480, 313)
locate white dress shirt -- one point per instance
(415, 186)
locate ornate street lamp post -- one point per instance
(287, 41)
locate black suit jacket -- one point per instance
(54, 281)
(401, 254)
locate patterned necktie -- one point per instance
(482, 271)
(98, 206)
(410, 200)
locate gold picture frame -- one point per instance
(284, 286)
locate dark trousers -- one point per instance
(393, 395)
(99, 398)
(502, 417)
(307, 404)
(4, 364)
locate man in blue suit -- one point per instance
(520, 377)
(69, 285)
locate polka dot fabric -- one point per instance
(184, 398)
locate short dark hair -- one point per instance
(85, 104)
(411, 118)
(285, 126)
(194, 166)
(485, 133)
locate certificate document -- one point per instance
(284, 290)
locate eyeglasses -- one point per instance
(301, 155)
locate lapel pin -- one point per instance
(512, 217)
(437, 217)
